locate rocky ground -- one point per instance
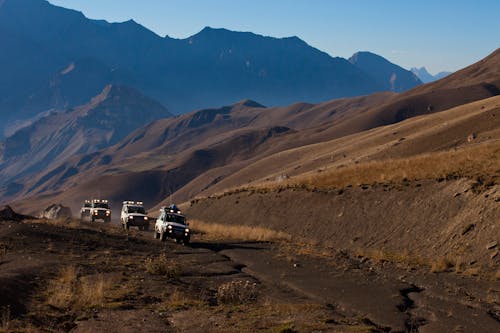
(70, 276)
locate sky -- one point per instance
(443, 35)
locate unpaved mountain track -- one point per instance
(337, 291)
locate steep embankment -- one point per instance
(418, 222)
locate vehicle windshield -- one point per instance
(136, 209)
(87, 205)
(101, 205)
(176, 218)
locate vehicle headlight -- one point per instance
(186, 230)
(145, 218)
(169, 226)
(131, 217)
(108, 212)
(96, 212)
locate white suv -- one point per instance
(172, 224)
(99, 210)
(134, 214)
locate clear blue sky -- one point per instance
(440, 35)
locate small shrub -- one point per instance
(161, 265)
(237, 292)
(181, 301)
(70, 291)
(285, 328)
(3, 251)
(441, 265)
(92, 291)
(5, 318)
(62, 291)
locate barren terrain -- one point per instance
(137, 283)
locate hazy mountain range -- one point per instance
(427, 77)
(56, 58)
(212, 149)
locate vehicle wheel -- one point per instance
(107, 220)
(163, 236)
(92, 219)
(186, 240)
(156, 234)
(126, 226)
(146, 227)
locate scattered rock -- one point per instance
(471, 137)
(8, 214)
(494, 255)
(282, 177)
(56, 211)
(491, 245)
(468, 228)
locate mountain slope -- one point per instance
(50, 140)
(392, 77)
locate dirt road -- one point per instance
(272, 287)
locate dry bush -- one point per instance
(3, 250)
(63, 290)
(471, 162)
(245, 233)
(5, 319)
(93, 290)
(237, 292)
(161, 265)
(441, 265)
(181, 301)
(70, 291)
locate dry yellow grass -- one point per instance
(180, 301)
(70, 291)
(161, 265)
(477, 161)
(239, 232)
(481, 161)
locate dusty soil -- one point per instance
(413, 222)
(291, 288)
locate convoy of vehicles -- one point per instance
(171, 223)
(134, 214)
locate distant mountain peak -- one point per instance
(249, 103)
(426, 77)
(391, 76)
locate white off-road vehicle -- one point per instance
(85, 210)
(134, 214)
(100, 210)
(172, 224)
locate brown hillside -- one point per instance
(206, 151)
